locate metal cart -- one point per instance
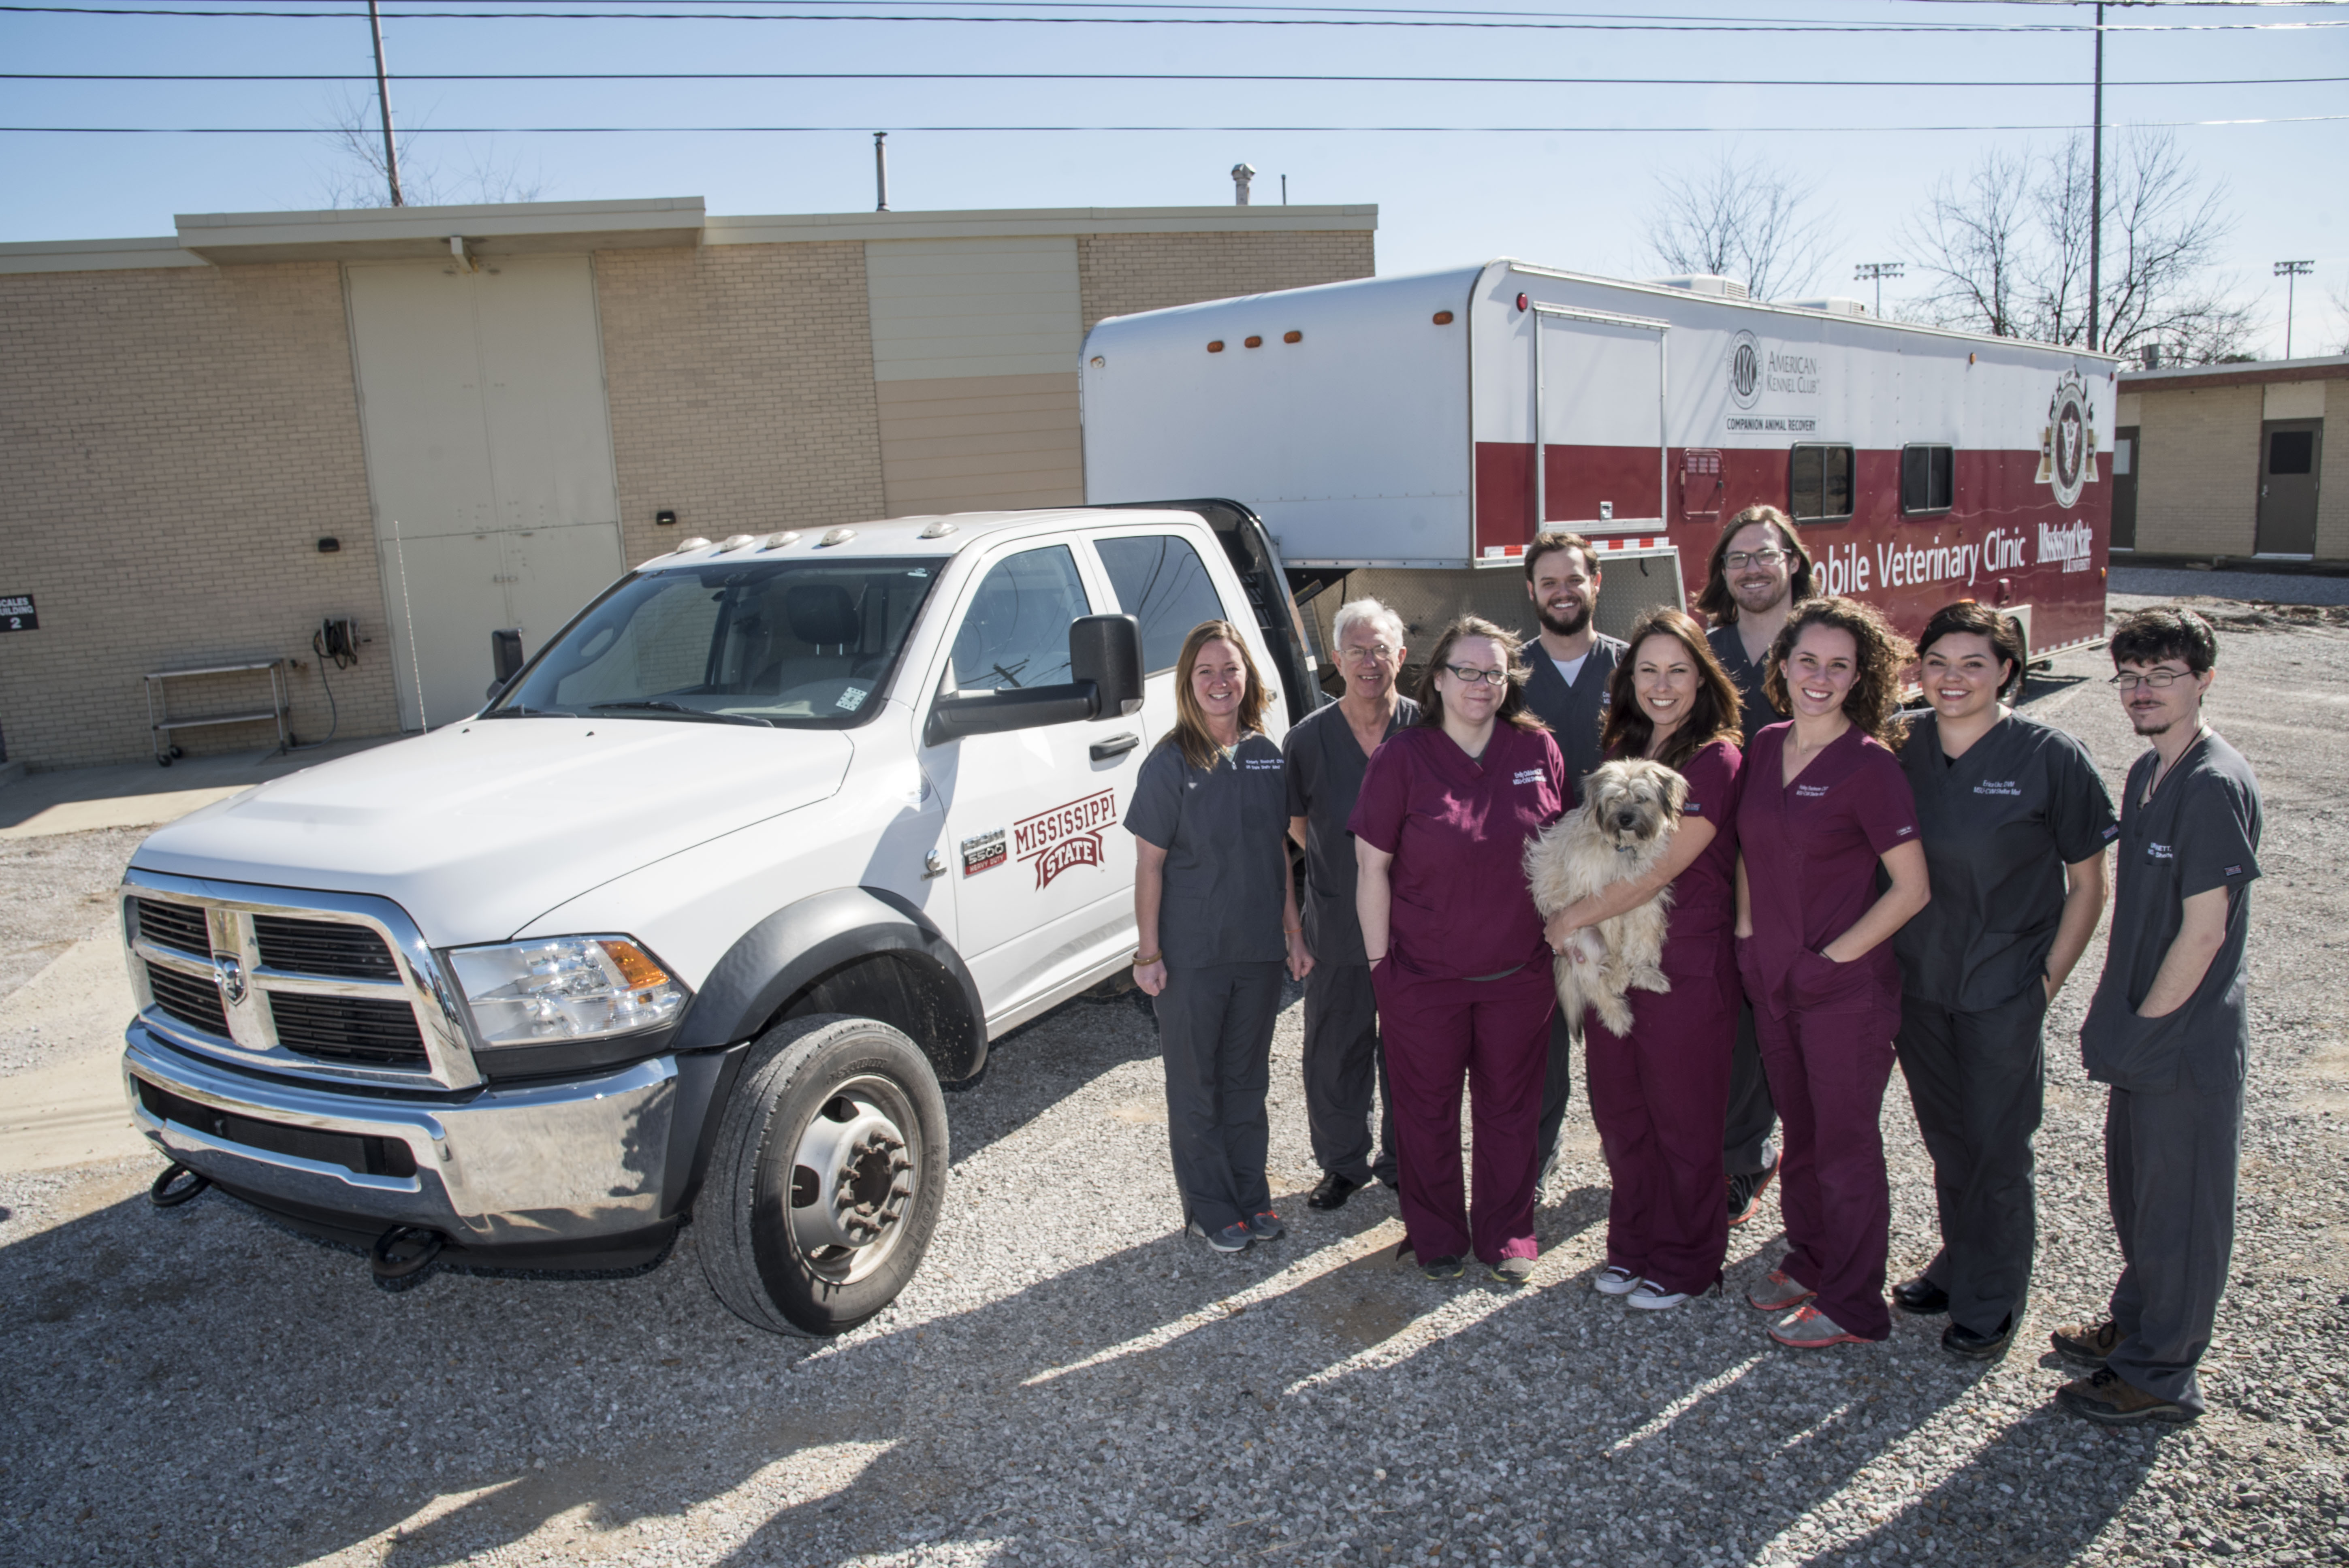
(163, 725)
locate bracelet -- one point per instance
(1293, 930)
(1142, 962)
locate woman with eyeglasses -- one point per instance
(1457, 956)
(2015, 818)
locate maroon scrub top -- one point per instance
(1811, 852)
(1458, 828)
(1704, 896)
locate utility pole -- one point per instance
(383, 97)
(1876, 273)
(2097, 192)
(2289, 272)
(880, 168)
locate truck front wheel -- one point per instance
(828, 1176)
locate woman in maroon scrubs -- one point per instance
(1824, 804)
(1456, 947)
(1659, 1093)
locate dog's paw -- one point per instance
(1613, 1012)
(1651, 979)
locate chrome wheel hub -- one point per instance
(853, 1175)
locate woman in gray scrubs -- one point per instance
(1215, 916)
(2015, 819)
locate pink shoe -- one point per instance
(1777, 1292)
(1808, 1329)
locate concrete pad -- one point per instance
(70, 1110)
(141, 794)
(117, 811)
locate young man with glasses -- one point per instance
(2170, 1031)
(1760, 571)
(1570, 665)
(1327, 751)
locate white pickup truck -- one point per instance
(692, 921)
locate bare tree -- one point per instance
(1741, 219)
(356, 177)
(2007, 251)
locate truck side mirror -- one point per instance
(1107, 651)
(505, 659)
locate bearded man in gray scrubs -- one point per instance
(1327, 752)
(2170, 1031)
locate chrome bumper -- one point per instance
(573, 1161)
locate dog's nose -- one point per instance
(1625, 820)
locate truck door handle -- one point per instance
(1115, 746)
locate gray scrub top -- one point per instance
(2199, 831)
(1222, 828)
(1575, 713)
(1999, 825)
(1325, 765)
(1753, 708)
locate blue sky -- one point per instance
(1572, 200)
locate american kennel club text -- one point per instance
(1065, 836)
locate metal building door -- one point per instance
(2289, 454)
(489, 458)
(2124, 461)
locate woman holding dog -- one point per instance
(1659, 1092)
(2015, 820)
(1462, 976)
(1825, 807)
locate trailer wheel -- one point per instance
(828, 1176)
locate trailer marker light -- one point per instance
(1099, 361)
(1252, 342)
(1216, 346)
(1521, 302)
(1443, 318)
(1292, 338)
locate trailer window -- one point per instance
(1927, 478)
(1819, 486)
(1161, 583)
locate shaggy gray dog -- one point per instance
(1623, 827)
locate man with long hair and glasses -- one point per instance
(1456, 950)
(1570, 665)
(1759, 572)
(1215, 912)
(1328, 750)
(2168, 1032)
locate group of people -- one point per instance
(1849, 887)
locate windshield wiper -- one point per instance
(661, 705)
(518, 711)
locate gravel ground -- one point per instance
(2280, 587)
(60, 889)
(1068, 1381)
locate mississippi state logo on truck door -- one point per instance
(2067, 447)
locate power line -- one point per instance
(864, 127)
(1138, 77)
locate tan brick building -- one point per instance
(2233, 460)
(439, 421)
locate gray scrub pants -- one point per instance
(1214, 1035)
(1977, 1082)
(1752, 1116)
(2169, 1175)
(1344, 1057)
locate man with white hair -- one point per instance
(1327, 751)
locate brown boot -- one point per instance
(2088, 1343)
(2107, 1398)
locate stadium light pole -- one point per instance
(1876, 273)
(2288, 271)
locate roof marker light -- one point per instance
(1252, 342)
(1292, 338)
(937, 529)
(1521, 302)
(777, 541)
(1216, 346)
(733, 541)
(835, 536)
(696, 542)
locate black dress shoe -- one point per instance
(1960, 1340)
(1332, 1192)
(1921, 1298)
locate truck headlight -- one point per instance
(559, 988)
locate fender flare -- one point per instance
(801, 943)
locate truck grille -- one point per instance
(195, 1003)
(178, 926)
(322, 947)
(347, 1029)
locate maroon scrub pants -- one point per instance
(1828, 1065)
(1496, 1034)
(1659, 1096)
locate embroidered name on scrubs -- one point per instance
(1261, 764)
(2160, 852)
(1527, 776)
(1811, 791)
(1998, 787)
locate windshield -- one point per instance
(796, 643)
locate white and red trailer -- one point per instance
(1414, 432)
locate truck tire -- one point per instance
(828, 1176)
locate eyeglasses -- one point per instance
(1376, 653)
(2159, 680)
(1474, 675)
(1738, 560)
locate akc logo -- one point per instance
(1065, 836)
(1744, 370)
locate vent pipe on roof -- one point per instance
(1241, 174)
(881, 170)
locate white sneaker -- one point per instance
(1614, 1279)
(1649, 1297)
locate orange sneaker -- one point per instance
(1808, 1329)
(1777, 1292)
